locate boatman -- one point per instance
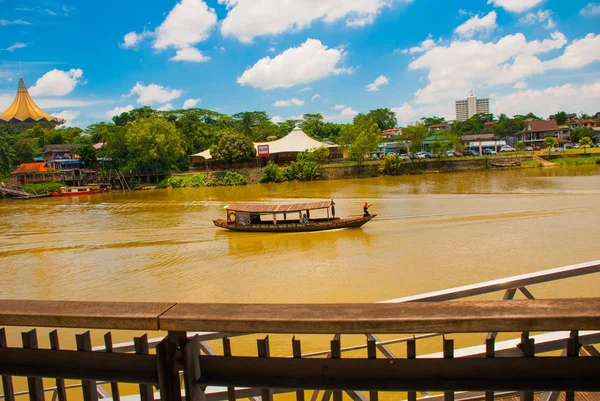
(366, 207)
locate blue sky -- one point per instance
(85, 61)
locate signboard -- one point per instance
(263, 150)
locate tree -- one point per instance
(360, 138)
(413, 136)
(6, 154)
(233, 147)
(581, 132)
(443, 141)
(520, 146)
(252, 124)
(23, 151)
(585, 142)
(87, 153)
(549, 143)
(561, 118)
(321, 154)
(133, 115)
(153, 143)
(305, 168)
(312, 124)
(384, 118)
(429, 121)
(508, 127)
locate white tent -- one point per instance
(295, 142)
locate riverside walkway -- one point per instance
(561, 356)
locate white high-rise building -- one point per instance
(465, 109)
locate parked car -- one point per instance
(458, 154)
(470, 152)
(568, 146)
(489, 152)
(450, 153)
(429, 155)
(419, 155)
(404, 156)
(529, 148)
(507, 148)
(537, 148)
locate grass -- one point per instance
(531, 163)
(577, 161)
(43, 187)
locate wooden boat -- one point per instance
(276, 218)
(77, 191)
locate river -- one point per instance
(432, 232)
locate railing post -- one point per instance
(84, 344)
(448, 354)
(191, 371)
(527, 346)
(411, 353)
(141, 348)
(266, 394)
(336, 353)
(114, 386)
(35, 385)
(297, 353)
(7, 384)
(372, 354)
(573, 347)
(168, 372)
(60, 383)
(489, 353)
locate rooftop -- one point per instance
(33, 168)
(541, 126)
(23, 108)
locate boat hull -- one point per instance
(350, 222)
(91, 192)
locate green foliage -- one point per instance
(360, 138)
(254, 125)
(549, 143)
(508, 126)
(443, 141)
(23, 151)
(87, 154)
(585, 142)
(272, 173)
(561, 118)
(531, 163)
(581, 132)
(321, 154)
(305, 168)
(133, 115)
(227, 178)
(43, 187)
(576, 161)
(391, 164)
(384, 118)
(196, 180)
(520, 146)
(428, 121)
(415, 135)
(153, 143)
(233, 147)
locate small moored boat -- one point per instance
(286, 218)
(76, 191)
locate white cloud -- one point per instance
(520, 85)
(305, 89)
(276, 119)
(295, 66)
(57, 83)
(189, 22)
(547, 101)
(69, 116)
(17, 45)
(188, 104)
(463, 13)
(423, 46)
(515, 6)
(165, 107)
(154, 93)
(271, 49)
(190, 54)
(539, 18)
(464, 65)
(14, 22)
(348, 112)
(315, 97)
(289, 102)
(248, 19)
(339, 107)
(374, 86)
(579, 53)
(132, 39)
(475, 24)
(119, 110)
(590, 9)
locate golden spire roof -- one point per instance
(24, 108)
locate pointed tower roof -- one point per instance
(24, 108)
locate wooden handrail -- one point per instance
(443, 317)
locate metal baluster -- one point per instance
(527, 346)
(297, 352)
(141, 348)
(411, 353)
(7, 384)
(573, 347)
(60, 383)
(114, 386)
(169, 382)
(84, 344)
(489, 353)
(266, 394)
(191, 371)
(336, 353)
(372, 354)
(227, 352)
(448, 354)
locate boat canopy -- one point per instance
(262, 208)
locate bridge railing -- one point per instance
(564, 359)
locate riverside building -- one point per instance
(470, 106)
